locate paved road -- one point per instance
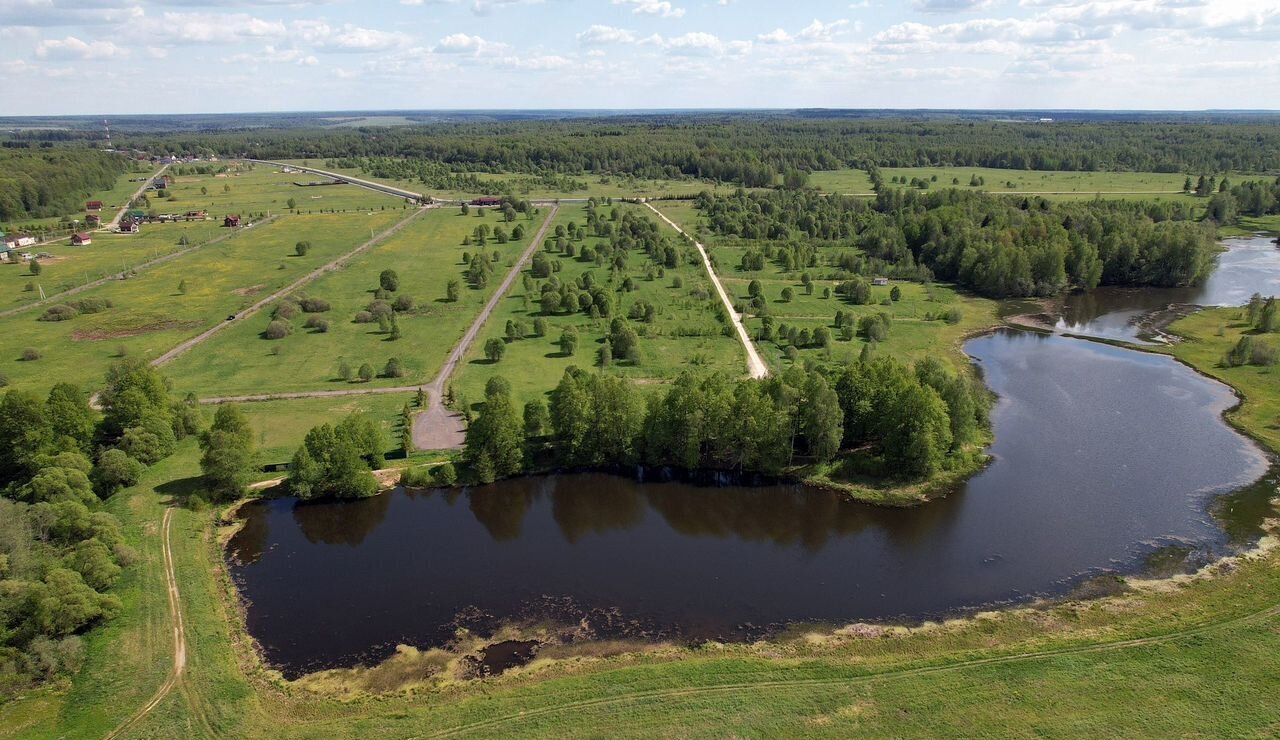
(142, 189)
(59, 297)
(437, 428)
(755, 365)
(338, 263)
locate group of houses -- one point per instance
(10, 243)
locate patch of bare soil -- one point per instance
(249, 290)
(93, 335)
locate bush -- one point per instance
(301, 248)
(365, 317)
(31, 354)
(394, 369)
(91, 305)
(389, 281)
(366, 372)
(952, 316)
(403, 304)
(446, 474)
(286, 310)
(314, 305)
(59, 312)
(318, 324)
(277, 330)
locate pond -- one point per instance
(1248, 266)
(1105, 459)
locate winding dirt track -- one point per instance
(58, 297)
(702, 691)
(179, 634)
(755, 365)
(124, 208)
(338, 263)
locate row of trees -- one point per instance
(998, 246)
(898, 422)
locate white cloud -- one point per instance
(272, 55)
(347, 38)
(950, 6)
(819, 31)
(776, 36)
(598, 34)
(660, 8)
(461, 43)
(73, 48)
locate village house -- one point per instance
(93, 205)
(128, 226)
(231, 222)
(81, 239)
(93, 219)
(880, 281)
(14, 241)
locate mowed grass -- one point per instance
(426, 255)
(279, 426)
(108, 254)
(150, 315)
(259, 188)
(684, 335)
(1209, 335)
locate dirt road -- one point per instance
(338, 263)
(755, 365)
(58, 297)
(179, 633)
(437, 428)
(124, 208)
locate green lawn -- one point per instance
(1211, 334)
(281, 425)
(426, 255)
(150, 315)
(108, 254)
(998, 180)
(534, 365)
(259, 188)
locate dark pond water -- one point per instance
(1248, 266)
(1105, 459)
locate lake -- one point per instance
(1104, 458)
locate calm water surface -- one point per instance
(1248, 266)
(1102, 456)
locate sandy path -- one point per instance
(124, 208)
(755, 365)
(337, 264)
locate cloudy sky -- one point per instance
(181, 56)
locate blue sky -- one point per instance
(139, 56)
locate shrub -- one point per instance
(394, 369)
(402, 304)
(285, 310)
(380, 308)
(446, 474)
(301, 248)
(277, 329)
(389, 281)
(320, 325)
(31, 354)
(364, 317)
(366, 372)
(91, 305)
(59, 312)
(314, 305)
(952, 316)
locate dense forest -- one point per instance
(998, 246)
(53, 181)
(60, 550)
(898, 422)
(755, 150)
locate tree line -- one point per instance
(999, 246)
(884, 418)
(42, 182)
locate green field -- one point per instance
(534, 365)
(259, 188)
(281, 425)
(1048, 183)
(108, 254)
(149, 315)
(426, 255)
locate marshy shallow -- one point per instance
(1103, 456)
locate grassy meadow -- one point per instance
(426, 255)
(1082, 184)
(257, 188)
(534, 365)
(149, 313)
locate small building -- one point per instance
(81, 239)
(231, 222)
(137, 214)
(487, 201)
(129, 226)
(880, 281)
(161, 183)
(93, 205)
(15, 241)
(195, 215)
(93, 219)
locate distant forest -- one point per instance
(757, 151)
(39, 182)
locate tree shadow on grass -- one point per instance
(181, 491)
(557, 355)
